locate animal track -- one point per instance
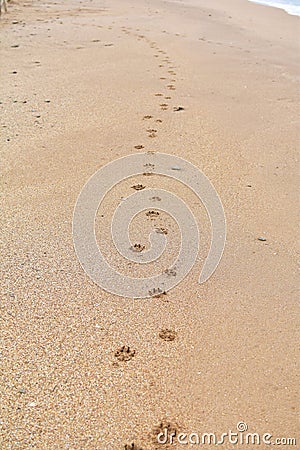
(152, 213)
(172, 429)
(147, 117)
(170, 272)
(124, 353)
(164, 106)
(161, 230)
(138, 187)
(137, 248)
(132, 446)
(156, 292)
(138, 147)
(149, 166)
(167, 335)
(152, 132)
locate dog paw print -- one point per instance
(152, 132)
(132, 446)
(167, 335)
(170, 272)
(149, 166)
(124, 353)
(157, 292)
(138, 187)
(138, 248)
(163, 106)
(161, 230)
(170, 428)
(152, 214)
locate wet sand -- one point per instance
(84, 83)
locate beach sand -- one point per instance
(77, 80)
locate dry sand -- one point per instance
(77, 79)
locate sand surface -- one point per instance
(77, 80)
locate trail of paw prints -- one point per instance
(166, 70)
(152, 123)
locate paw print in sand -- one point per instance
(156, 292)
(161, 230)
(152, 214)
(137, 248)
(167, 335)
(170, 272)
(124, 353)
(138, 187)
(132, 446)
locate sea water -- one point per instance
(290, 6)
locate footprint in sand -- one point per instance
(170, 272)
(161, 230)
(147, 117)
(171, 87)
(158, 121)
(164, 106)
(167, 335)
(171, 427)
(124, 353)
(132, 446)
(138, 248)
(158, 95)
(149, 166)
(157, 293)
(138, 147)
(152, 214)
(138, 187)
(152, 132)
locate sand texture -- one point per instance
(84, 83)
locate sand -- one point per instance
(82, 368)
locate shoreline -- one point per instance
(293, 10)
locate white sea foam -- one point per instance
(290, 6)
